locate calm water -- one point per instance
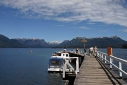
(20, 66)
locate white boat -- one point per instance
(56, 62)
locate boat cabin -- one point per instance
(61, 55)
(55, 64)
(64, 55)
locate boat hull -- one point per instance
(54, 70)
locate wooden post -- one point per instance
(84, 45)
(109, 51)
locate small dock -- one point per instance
(93, 72)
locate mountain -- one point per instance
(5, 42)
(54, 43)
(33, 42)
(101, 42)
(64, 44)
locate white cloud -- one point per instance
(106, 11)
(82, 27)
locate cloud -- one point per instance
(106, 11)
(91, 23)
(82, 27)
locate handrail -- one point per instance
(67, 59)
(103, 57)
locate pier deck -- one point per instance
(92, 72)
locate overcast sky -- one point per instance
(58, 20)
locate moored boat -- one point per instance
(56, 62)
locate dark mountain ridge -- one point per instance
(5, 42)
(101, 42)
(33, 42)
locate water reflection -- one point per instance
(55, 79)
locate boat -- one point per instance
(56, 62)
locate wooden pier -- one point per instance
(93, 72)
(99, 70)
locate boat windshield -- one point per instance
(55, 63)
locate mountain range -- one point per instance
(33, 42)
(101, 42)
(5, 42)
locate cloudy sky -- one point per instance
(58, 20)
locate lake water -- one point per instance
(28, 66)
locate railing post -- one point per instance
(99, 55)
(102, 56)
(105, 59)
(120, 67)
(77, 64)
(111, 63)
(64, 68)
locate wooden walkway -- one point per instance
(93, 73)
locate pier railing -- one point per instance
(109, 59)
(67, 67)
